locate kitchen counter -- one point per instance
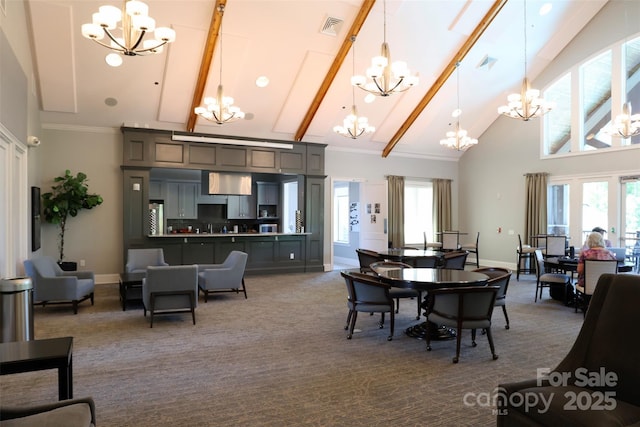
(226, 234)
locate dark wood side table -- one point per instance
(130, 288)
(37, 355)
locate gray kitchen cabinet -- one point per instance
(181, 200)
(268, 193)
(156, 189)
(241, 207)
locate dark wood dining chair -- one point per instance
(472, 248)
(546, 280)
(366, 257)
(455, 260)
(499, 277)
(397, 293)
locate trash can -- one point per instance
(16, 309)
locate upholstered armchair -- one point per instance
(51, 285)
(596, 384)
(65, 413)
(225, 277)
(139, 259)
(170, 289)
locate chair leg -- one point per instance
(244, 289)
(397, 305)
(353, 324)
(391, 325)
(491, 346)
(458, 338)
(381, 324)
(506, 318)
(75, 306)
(346, 327)
(419, 298)
(193, 307)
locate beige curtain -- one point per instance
(441, 204)
(396, 210)
(535, 221)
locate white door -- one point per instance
(373, 215)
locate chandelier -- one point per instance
(527, 104)
(353, 125)
(136, 22)
(386, 77)
(626, 124)
(458, 139)
(220, 109)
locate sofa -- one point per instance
(596, 384)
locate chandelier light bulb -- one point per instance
(525, 105)
(626, 124)
(135, 23)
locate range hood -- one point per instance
(226, 183)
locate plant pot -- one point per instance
(68, 265)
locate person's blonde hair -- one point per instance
(595, 240)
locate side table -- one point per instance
(37, 355)
(130, 288)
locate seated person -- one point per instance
(596, 250)
(607, 242)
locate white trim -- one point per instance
(228, 141)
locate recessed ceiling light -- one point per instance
(545, 8)
(262, 81)
(111, 102)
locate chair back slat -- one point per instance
(450, 240)
(593, 269)
(367, 257)
(556, 246)
(455, 260)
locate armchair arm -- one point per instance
(56, 288)
(79, 274)
(10, 413)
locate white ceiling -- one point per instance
(282, 39)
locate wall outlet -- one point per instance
(291, 256)
(82, 263)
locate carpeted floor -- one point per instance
(281, 358)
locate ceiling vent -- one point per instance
(487, 61)
(331, 26)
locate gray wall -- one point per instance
(491, 177)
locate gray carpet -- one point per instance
(282, 358)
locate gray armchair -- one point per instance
(139, 259)
(51, 285)
(65, 413)
(170, 289)
(225, 277)
(584, 391)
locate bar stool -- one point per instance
(525, 259)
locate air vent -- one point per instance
(331, 26)
(487, 61)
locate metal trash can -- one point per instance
(16, 309)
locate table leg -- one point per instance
(65, 380)
(436, 332)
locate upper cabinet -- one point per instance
(156, 148)
(241, 207)
(181, 200)
(268, 199)
(156, 189)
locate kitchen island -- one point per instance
(268, 252)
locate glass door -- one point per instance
(630, 214)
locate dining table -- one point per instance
(426, 279)
(410, 256)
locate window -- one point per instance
(558, 209)
(558, 121)
(418, 202)
(341, 214)
(595, 206)
(589, 97)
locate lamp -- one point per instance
(354, 126)
(386, 77)
(625, 125)
(220, 109)
(527, 104)
(458, 139)
(136, 22)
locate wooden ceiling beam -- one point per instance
(205, 63)
(448, 70)
(366, 7)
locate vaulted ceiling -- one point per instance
(305, 49)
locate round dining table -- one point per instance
(426, 279)
(413, 257)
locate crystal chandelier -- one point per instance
(458, 139)
(353, 125)
(626, 124)
(386, 77)
(527, 104)
(136, 22)
(220, 109)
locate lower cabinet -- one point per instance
(267, 253)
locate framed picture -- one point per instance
(35, 218)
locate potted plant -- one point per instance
(68, 197)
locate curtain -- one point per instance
(441, 204)
(396, 210)
(535, 221)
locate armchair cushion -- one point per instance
(65, 413)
